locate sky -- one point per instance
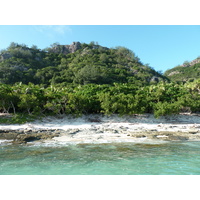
(161, 46)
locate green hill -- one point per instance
(189, 71)
(88, 78)
(78, 63)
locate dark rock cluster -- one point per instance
(24, 136)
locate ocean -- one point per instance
(122, 158)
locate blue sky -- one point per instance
(160, 46)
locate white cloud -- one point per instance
(51, 30)
(61, 29)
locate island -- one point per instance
(90, 93)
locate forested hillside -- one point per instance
(188, 71)
(88, 78)
(73, 64)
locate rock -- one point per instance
(19, 136)
(99, 131)
(26, 131)
(24, 138)
(173, 73)
(31, 138)
(94, 119)
(141, 136)
(8, 135)
(112, 130)
(193, 62)
(154, 79)
(66, 49)
(74, 47)
(73, 131)
(177, 137)
(5, 56)
(123, 128)
(193, 131)
(153, 130)
(18, 142)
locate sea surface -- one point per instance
(164, 158)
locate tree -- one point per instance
(8, 99)
(127, 53)
(89, 74)
(13, 45)
(34, 47)
(31, 98)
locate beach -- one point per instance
(104, 129)
(102, 145)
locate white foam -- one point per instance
(140, 121)
(122, 125)
(60, 143)
(4, 141)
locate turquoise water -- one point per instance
(170, 158)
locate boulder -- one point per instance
(66, 49)
(24, 138)
(74, 47)
(154, 79)
(177, 137)
(193, 131)
(4, 56)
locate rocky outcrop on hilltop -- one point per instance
(66, 49)
(4, 56)
(193, 62)
(188, 71)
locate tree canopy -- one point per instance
(89, 63)
(188, 71)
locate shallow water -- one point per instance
(169, 158)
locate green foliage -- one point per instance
(30, 97)
(94, 79)
(7, 99)
(90, 64)
(184, 74)
(123, 99)
(166, 108)
(18, 118)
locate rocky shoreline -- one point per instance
(96, 128)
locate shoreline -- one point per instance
(104, 129)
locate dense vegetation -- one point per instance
(160, 99)
(93, 79)
(189, 71)
(90, 63)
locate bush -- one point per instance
(165, 108)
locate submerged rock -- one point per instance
(177, 137)
(193, 131)
(24, 136)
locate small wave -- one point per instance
(100, 141)
(3, 142)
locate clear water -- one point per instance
(170, 158)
